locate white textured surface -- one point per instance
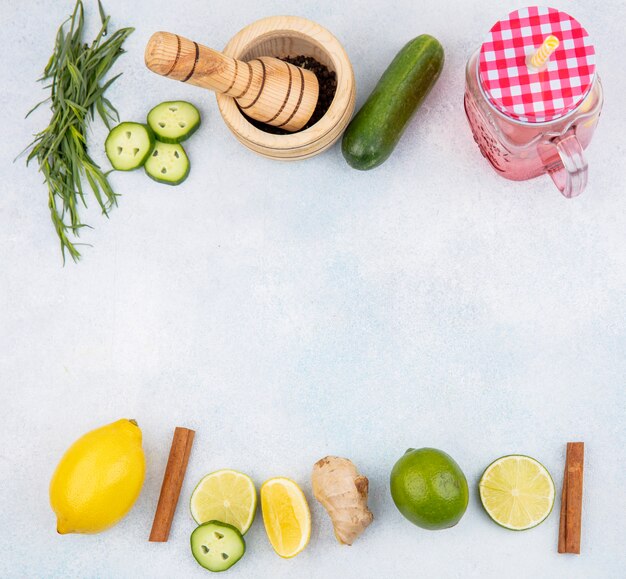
(288, 311)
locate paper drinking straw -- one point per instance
(539, 59)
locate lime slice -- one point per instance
(227, 496)
(517, 492)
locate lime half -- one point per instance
(517, 492)
(227, 496)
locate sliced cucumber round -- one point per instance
(167, 164)
(174, 121)
(129, 145)
(217, 546)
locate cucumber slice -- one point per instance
(217, 546)
(128, 145)
(167, 164)
(174, 121)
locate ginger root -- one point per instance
(342, 491)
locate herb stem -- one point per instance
(76, 71)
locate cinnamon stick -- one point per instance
(570, 525)
(172, 483)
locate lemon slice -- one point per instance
(286, 516)
(517, 492)
(227, 496)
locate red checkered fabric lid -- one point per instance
(536, 96)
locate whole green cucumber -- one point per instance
(376, 129)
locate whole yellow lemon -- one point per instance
(98, 479)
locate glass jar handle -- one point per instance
(570, 174)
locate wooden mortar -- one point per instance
(282, 36)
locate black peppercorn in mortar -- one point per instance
(327, 80)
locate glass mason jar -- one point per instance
(520, 150)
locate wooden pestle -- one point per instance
(267, 89)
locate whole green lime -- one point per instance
(429, 488)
